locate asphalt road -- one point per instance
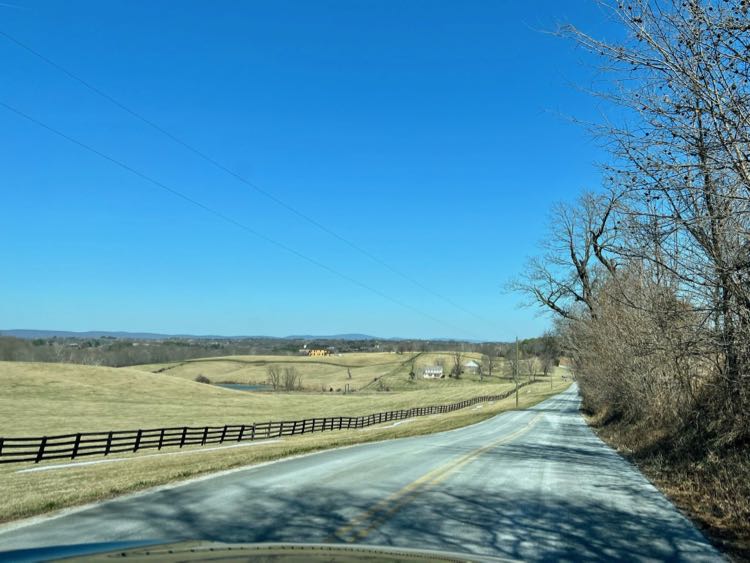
(535, 484)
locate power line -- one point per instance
(227, 218)
(243, 180)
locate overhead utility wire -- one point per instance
(242, 179)
(227, 218)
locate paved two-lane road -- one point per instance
(533, 485)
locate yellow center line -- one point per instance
(361, 525)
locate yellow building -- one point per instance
(318, 352)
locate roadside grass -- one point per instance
(39, 492)
(318, 373)
(40, 399)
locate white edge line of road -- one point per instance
(18, 524)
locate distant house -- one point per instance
(432, 372)
(472, 366)
(318, 353)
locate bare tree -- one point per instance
(489, 358)
(274, 376)
(292, 381)
(549, 353)
(684, 164)
(510, 366)
(440, 362)
(651, 280)
(576, 253)
(531, 367)
(457, 368)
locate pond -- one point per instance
(245, 386)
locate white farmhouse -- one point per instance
(432, 372)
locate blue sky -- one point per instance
(431, 134)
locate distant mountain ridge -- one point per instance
(352, 336)
(40, 333)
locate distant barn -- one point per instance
(471, 366)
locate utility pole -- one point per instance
(515, 371)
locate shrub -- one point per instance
(202, 379)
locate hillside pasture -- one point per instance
(45, 399)
(317, 373)
(29, 493)
(327, 372)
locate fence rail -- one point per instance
(81, 444)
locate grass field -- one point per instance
(43, 399)
(317, 372)
(48, 398)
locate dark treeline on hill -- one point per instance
(649, 278)
(120, 352)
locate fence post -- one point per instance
(137, 440)
(161, 438)
(184, 433)
(109, 443)
(205, 435)
(223, 434)
(75, 446)
(242, 431)
(2, 441)
(40, 453)
(252, 435)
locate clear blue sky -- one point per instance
(431, 134)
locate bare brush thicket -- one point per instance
(283, 378)
(650, 280)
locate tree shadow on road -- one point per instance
(465, 518)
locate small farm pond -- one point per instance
(245, 387)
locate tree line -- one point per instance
(648, 277)
(119, 352)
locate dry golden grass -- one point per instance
(316, 372)
(45, 399)
(28, 494)
(321, 372)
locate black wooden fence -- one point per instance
(73, 446)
